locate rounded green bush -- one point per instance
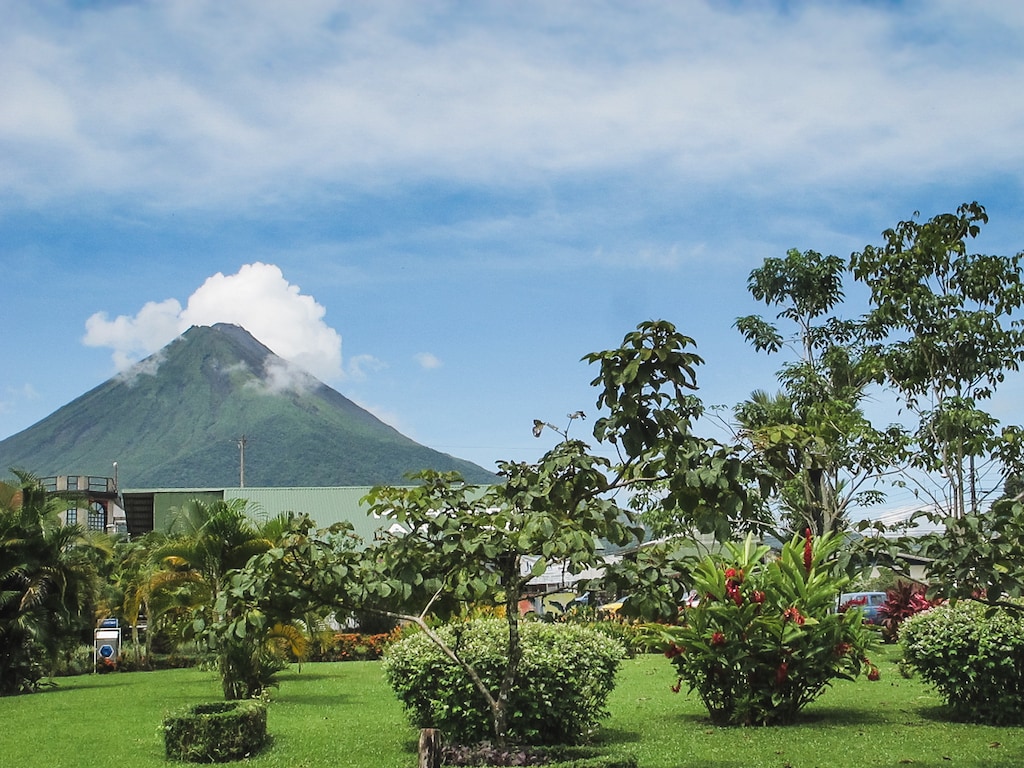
(565, 677)
(217, 732)
(974, 656)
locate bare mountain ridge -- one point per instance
(175, 419)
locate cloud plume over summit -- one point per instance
(257, 298)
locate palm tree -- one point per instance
(206, 540)
(790, 447)
(823, 453)
(47, 581)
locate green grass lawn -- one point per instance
(344, 715)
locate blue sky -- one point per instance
(440, 207)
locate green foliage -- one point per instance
(688, 482)
(562, 681)
(629, 633)
(977, 556)
(216, 733)
(940, 324)
(255, 607)
(765, 639)
(47, 580)
(206, 546)
(813, 438)
(974, 656)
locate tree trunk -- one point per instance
(430, 748)
(513, 590)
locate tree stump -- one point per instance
(430, 748)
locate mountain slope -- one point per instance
(175, 420)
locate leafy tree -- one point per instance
(813, 437)
(304, 572)
(470, 547)
(942, 329)
(683, 481)
(137, 582)
(207, 543)
(46, 582)
(466, 544)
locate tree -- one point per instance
(465, 544)
(686, 482)
(207, 542)
(470, 546)
(813, 437)
(46, 582)
(941, 326)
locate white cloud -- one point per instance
(362, 365)
(135, 337)
(14, 395)
(260, 300)
(427, 360)
(257, 298)
(148, 367)
(147, 100)
(281, 376)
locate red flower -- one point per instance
(842, 649)
(808, 551)
(677, 686)
(792, 614)
(673, 650)
(734, 592)
(873, 673)
(717, 638)
(758, 596)
(734, 574)
(781, 673)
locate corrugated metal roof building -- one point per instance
(325, 506)
(153, 508)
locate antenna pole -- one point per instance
(241, 462)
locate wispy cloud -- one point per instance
(427, 360)
(14, 395)
(146, 99)
(360, 366)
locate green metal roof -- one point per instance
(325, 506)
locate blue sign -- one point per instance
(106, 651)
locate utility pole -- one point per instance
(241, 462)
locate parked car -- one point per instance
(868, 602)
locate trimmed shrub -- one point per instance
(974, 656)
(565, 677)
(216, 733)
(551, 757)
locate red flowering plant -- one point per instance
(901, 602)
(766, 639)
